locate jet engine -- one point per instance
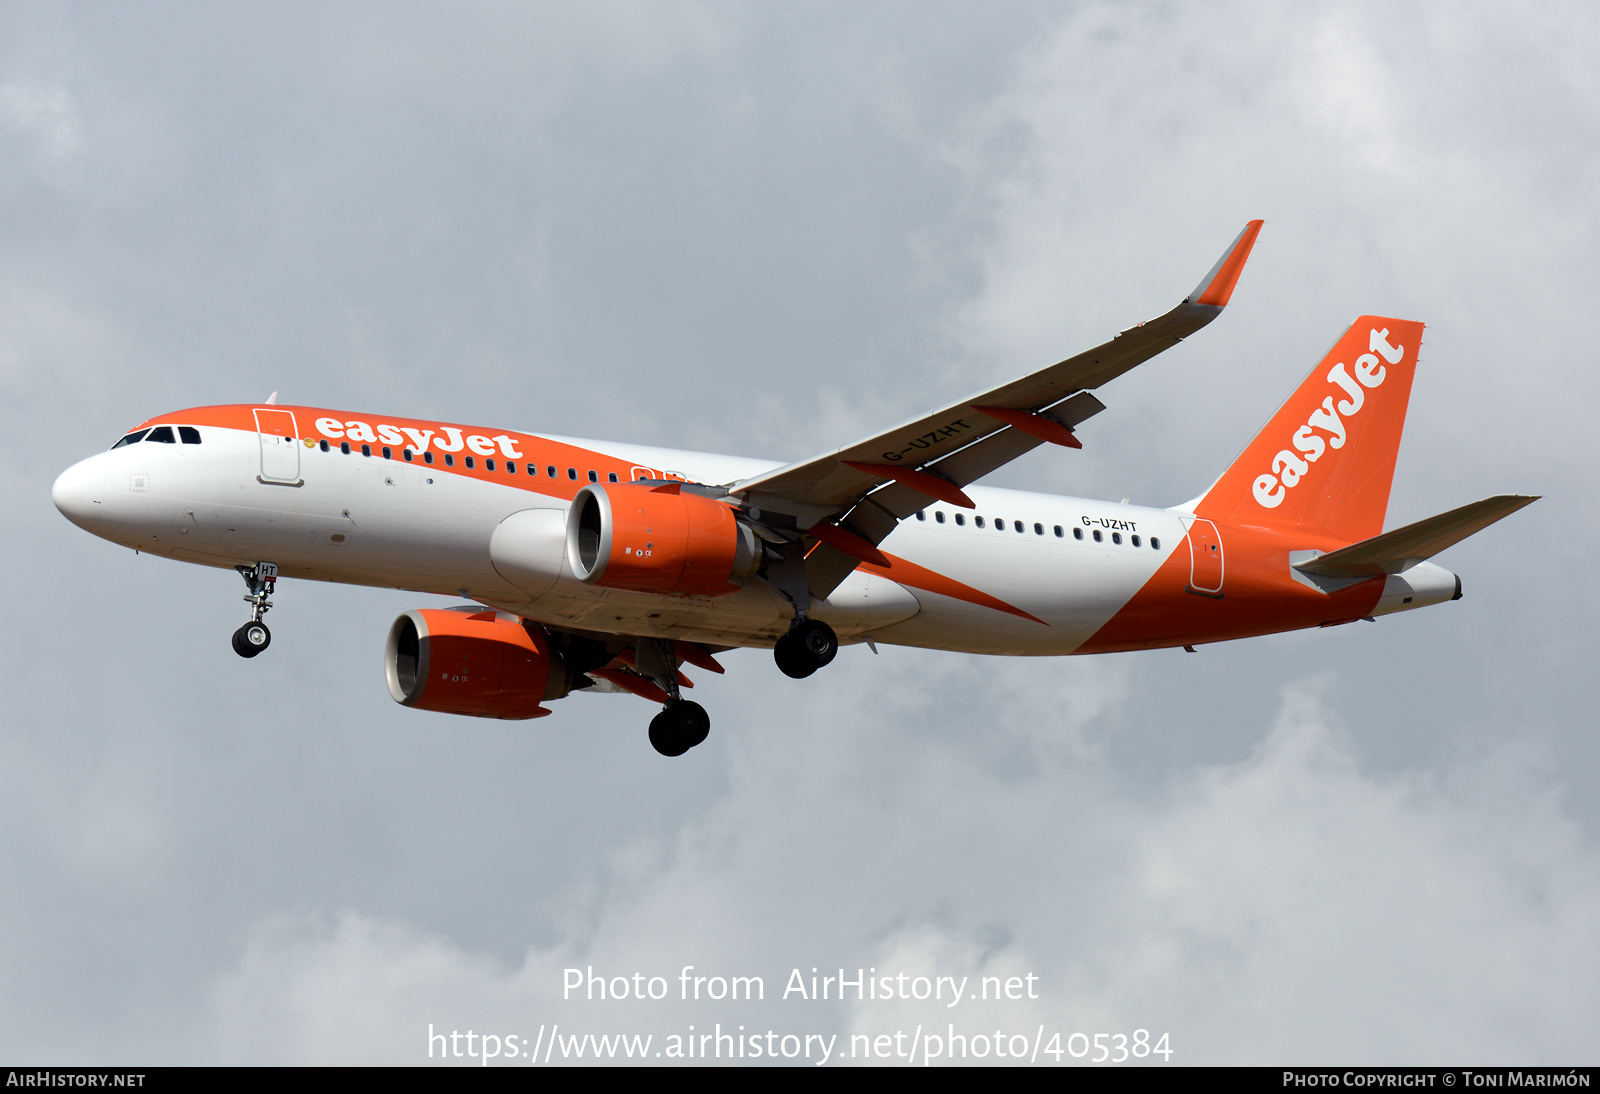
(472, 661)
(658, 539)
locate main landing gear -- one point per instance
(808, 646)
(682, 723)
(254, 637)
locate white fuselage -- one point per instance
(368, 520)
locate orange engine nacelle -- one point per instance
(657, 539)
(472, 661)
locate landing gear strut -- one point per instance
(254, 637)
(808, 646)
(682, 723)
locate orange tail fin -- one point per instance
(1326, 460)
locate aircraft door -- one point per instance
(280, 447)
(1205, 558)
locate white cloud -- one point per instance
(47, 112)
(1287, 907)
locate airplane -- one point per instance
(608, 567)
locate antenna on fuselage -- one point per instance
(272, 400)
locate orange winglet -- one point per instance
(1218, 289)
(920, 481)
(1035, 425)
(630, 657)
(696, 655)
(632, 681)
(851, 544)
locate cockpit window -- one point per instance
(131, 438)
(189, 434)
(161, 434)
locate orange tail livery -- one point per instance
(1325, 461)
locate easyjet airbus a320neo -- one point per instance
(608, 567)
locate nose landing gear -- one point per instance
(809, 645)
(254, 636)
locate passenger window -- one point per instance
(511, 468)
(471, 463)
(344, 446)
(962, 519)
(366, 450)
(1077, 533)
(131, 438)
(1155, 544)
(1116, 537)
(427, 457)
(1097, 536)
(449, 460)
(612, 477)
(551, 471)
(1017, 524)
(572, 473)
(162, 434)
(593, 477)
(1134, 540)
(1058, 532)
(188, 434)
(406, 452)
(1038, 529)
(976, 520)
(921, 515)
(324, 446)
(388, 453)
(938, 515)
(488, 465)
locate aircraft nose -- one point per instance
(79, 493)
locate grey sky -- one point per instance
(767, 229)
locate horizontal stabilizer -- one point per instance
(1397, 551)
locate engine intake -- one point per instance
(470, 661)
(657, 539)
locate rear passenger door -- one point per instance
(1205, 558)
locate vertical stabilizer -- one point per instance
(1326, 459)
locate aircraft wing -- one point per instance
(864, 489)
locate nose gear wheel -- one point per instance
(253, 637)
